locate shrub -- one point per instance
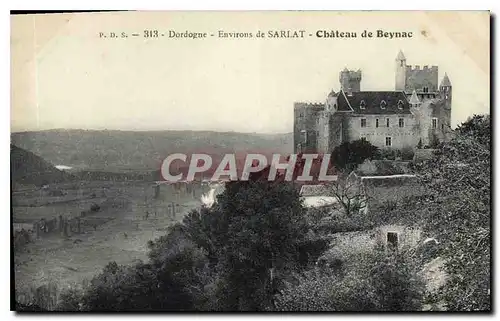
(349, 154)
(407, 154)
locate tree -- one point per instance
(136, 288)
(256, 228)
(350, 154)
(378, 282)
(254, 236)
(419, 145)
(172, 280)
(234, 255)
(348, 195)
(457, 213)
(397, 284)
(71, 300)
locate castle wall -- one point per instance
(425, 113)
(321, 128)
(350, 80)
(323, 132)
(339, 129)
(306, 118)
(417, 78)
(440, 111)
(401, 137)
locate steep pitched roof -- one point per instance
(372, 100)
(445, 81)
(342, 102)
(414, 98)
(400, 56)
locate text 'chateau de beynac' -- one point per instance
(417, 110)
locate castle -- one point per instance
(417, 110)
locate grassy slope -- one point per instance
(28, 168)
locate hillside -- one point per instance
(28, 168)
(112, 150)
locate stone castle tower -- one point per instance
(409, 78)
(416, 110)
(350, 80)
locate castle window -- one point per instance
(442, 126)
(383, 104)
(304, 136)
(387, 122)
(363, 122)
(376, 122)
(401, 122)
(362, 105)
(400, 104)
(425, 89)
(388, 141)
(434, 123)
(392, 240)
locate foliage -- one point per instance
(71, 299)
(136, 288)
(37, 298)
(172, 280)
(477, 127)
(456, 211)
(407, 154)
(381, 282)
(349, 154)
(347, 193)
(396, 283)
(420, 144)
(459, 178)
(232, 256)
(255, 230)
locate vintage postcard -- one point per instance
(251, 161)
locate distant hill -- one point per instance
(28, 168)
(129, 151)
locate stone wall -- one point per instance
(358, 242)
(418, 77)
(401, 137)
(306, 117)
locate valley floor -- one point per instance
(122, 235)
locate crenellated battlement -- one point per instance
(351, 74)
(322, 126)
(422, 68)
(315, 105)
(350, 79)
(421, 78)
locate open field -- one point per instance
(119, 231)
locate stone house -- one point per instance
(380, 192)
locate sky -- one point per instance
(63, 75)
